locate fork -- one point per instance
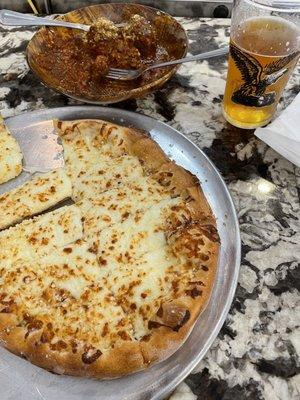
(129, 74)
(13, 18)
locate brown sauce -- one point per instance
(80, 61)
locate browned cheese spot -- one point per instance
(93, 249)
(90, 355)
(125, 215)
(211, 233)
(67, 250)
(10, 306)
(193, 292)
(102, 261)
(47, 336)
(146, 338)
(74, 346)
(45, 241)
(42, 197)
(154, 324)
(35, 325)
(32, 239)
(59, 345)
(203, 257)
(174, 317)
(124, 335)
(105, 330)
(160, 312)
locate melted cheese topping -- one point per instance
(40, 234)
(34, 196)
(137, 235)
(117, 205)
(105, 176)
(94, 274)
(90, 144)
(139, 285)
(60, 289)
(10, 156)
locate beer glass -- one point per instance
(264, 50)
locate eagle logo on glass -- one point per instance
(257, 78)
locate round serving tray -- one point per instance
(21, 380)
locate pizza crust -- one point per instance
(147, 325)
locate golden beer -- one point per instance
(263, 54)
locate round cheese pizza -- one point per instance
(115, 281)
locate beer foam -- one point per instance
(267, 36)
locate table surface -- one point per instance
(256, 353)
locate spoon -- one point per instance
(13, 18)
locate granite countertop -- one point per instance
(256, 353)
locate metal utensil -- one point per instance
(13, 18)
(129, 74)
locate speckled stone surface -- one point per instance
(256, 354)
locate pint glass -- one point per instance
(264, 50)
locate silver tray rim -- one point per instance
(84, 112)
